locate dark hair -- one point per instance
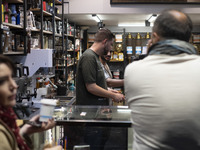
(168, 26)
(103, 34)
(8, 62)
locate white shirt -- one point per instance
(163, 93)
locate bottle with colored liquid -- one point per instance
(138, 44)
(129, 46)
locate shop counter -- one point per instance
(101, 127)
(112, 116)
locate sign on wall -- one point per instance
(154, 1)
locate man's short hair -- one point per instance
(103, 34)
(167, 26)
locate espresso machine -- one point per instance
(22, 109)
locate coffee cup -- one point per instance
(47, 109)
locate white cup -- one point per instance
(47, 109)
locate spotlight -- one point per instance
(151, 19)
(96, 18)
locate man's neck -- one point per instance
(96, 48)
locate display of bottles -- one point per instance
(144, 43)
(138, 44)
(121, 56)
(129, 46)
(115, 55)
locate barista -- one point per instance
(91, 87)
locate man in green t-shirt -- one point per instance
(91, 88)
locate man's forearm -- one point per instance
(99, 91)
(115, 82)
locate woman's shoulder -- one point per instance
(7, 140)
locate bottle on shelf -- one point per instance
(115, 55)
(138, 44)
(121, 56)
(2, 12)
(12, 42)
(144, 43)
(117, 48)
(129, 46)
(6, 40)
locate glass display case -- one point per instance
(100, 127)
(118, 116)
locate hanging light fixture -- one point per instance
(96, 18)
(151, 19)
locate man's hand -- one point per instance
(118, 97)
(114, 91)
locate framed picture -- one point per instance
(154, 1)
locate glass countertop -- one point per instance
(93, 115)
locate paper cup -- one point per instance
(47, 109)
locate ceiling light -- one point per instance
(152, 18)
(131, 25)
(96, 18)
(150, 21)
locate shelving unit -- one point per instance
(66, 55)
(15, 29)
(18, 29)
(40, 33)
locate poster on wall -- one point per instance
(154, 1)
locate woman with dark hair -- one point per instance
(11, 136)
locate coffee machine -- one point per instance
(22, 109)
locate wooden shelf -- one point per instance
(57, 18)
(47, 32)
(14, 1)
(69, 35)
(35, 30)
(46, 13)
(57, 2)
(14, 53)
(70, 65)
(58, 35)
(115, 61)
(37, 11)
(12, 26)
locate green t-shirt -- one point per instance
(89, 70)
